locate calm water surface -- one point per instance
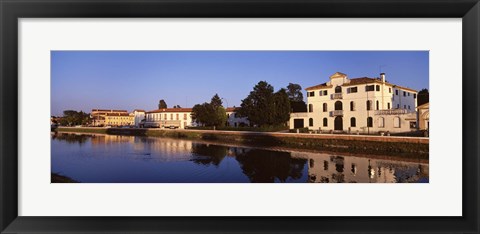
(133, 159)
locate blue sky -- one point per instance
(83, 80)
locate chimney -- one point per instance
(382, 75)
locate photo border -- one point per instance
(11, 11)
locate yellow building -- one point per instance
(119, 119)
(99, 115)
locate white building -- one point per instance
(169, 118)
(363, 105)
(233, 120)
(182, 118)
(139, 116)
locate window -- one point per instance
(398, 106)
(369, 105)
(310, 122)
(377, 88)
(413, 124)
(171, 116)
(324, 107)
(310, 107)
(325, 122)
(369, 122)
(414, 95)
(353, 89)
(388, 105)
(396, 122)
(338, 89)
(396, 92)
(338, 105)
(352, 106)
(325, 93)
(308, 94)
(409, 107)
(312, 94)
(177, 116)
(381, 122)
(389, 90)
(370, 88)
(378, 105)
(184, 116)
(165, 116)
(408, 94)
(353, 122)
(404, 93)
(404, 106)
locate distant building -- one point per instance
(169, 118)
(233, 120)
(119, 119)
(364, 105)
(182, 118)
(139, 117)
(99, 115)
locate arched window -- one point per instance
(369, 105)
(324, 107)
(338, 89)
(396, 122)
(353, 122)
(369, 122)
(310, 107)
(378, 105)
(310, 122)
(338, 105)
(352, 106)
(325, 122)
(381, 122)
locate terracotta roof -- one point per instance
(104, 110)
(320, 86)
(171, 110)
(138, 110)
(231, 109)
(359, 81)
(118, 114)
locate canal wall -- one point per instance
(408, 147)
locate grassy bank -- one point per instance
(402, 147)
(56, 178)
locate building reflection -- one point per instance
(326, 168)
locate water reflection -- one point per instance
(130, 159)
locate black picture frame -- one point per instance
(11, 11)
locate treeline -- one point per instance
(262, 107)
(72, 118)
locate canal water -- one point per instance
(135, 159)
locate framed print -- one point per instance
(256, 116)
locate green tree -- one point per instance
(216, 101)
(210, 114)
(71, 118)
(294, 92)
(423, 97)
(258, 106)
(295, 96)
(162, 104)
(281, 107)
(177, 106)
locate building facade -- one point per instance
(169, 118)
(139, 117)
(99, 116)
(233, 120)
(360, 105)
(119, 119)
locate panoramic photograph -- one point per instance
(239, 117)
